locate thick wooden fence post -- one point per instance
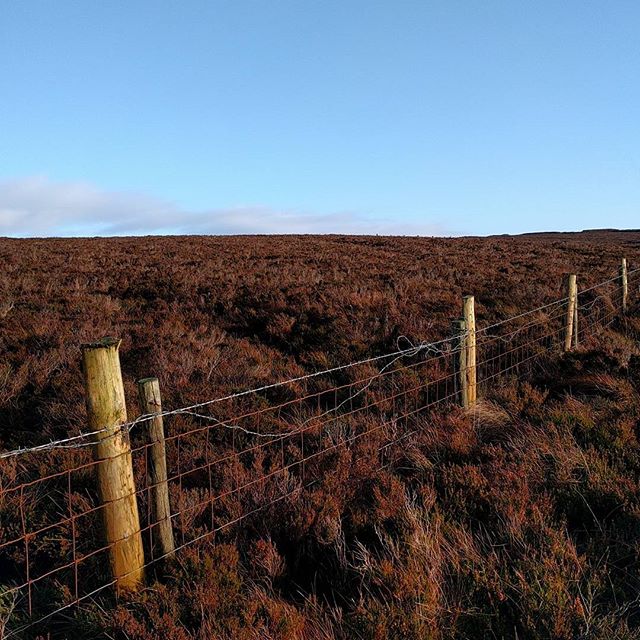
(107, 411)
(150, 403)
(570, 325)
(458, 329)
(624, 287)
(468, 304)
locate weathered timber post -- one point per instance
(458, 330)
(570, 324)
(150, 403)
(107, 411)
(624, 286)
(576, 328)
(468, 305)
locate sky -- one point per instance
(318, 116)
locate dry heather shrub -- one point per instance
(401, 580)
(13, 379)
(518, 397)
(560, 456)
(416, 585)
(328, 526)
(418, 462)
(605, 385)
(265, 561)
(491, 422)
(631, 324)
(211, 604)
(451, 434)
(547, 583)
(574, 414)
(280, 620)
(6, 306)
(621, 344)
(323, 621)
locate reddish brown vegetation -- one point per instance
(522, 518)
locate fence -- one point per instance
(123, 497)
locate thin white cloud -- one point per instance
(38, 206)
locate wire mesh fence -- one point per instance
(230, 459)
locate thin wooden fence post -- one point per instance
(576, 326)
(570, 325)
(468, 305)
(624, 287)
(107, 410)
(150, 403)
(458, 330)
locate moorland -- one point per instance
(521, 520)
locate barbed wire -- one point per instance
(72, 442)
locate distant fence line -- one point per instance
(123, 496)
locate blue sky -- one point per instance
(265, 116)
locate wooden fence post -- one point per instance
(624, 286)
(576, 327)
(107, 410)
(150, 403)
(458, 329)
(570, 325)
(468, 305)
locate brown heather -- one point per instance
(520, 520)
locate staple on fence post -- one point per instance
(624, 286)
(468, 305)
(150, 403)
(571, 289)
(107, 410)
(458, 330)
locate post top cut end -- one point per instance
(144, 381)
(104, 343)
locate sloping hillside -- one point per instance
(517, 519)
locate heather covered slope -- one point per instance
(209, 313)
(520, 519)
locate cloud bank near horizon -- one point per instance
(38, 206)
